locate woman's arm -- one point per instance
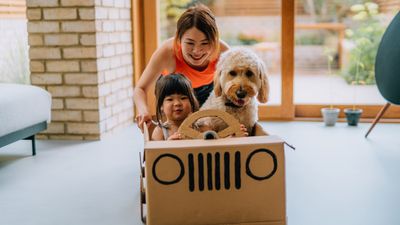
(223, 45)
(163, 58)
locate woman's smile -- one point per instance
(197, 57)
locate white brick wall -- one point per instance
(45, 53)
(57, 103)
(43, 27)
(41, 3)
(62, 66)
(81, 52)
(60, 14)
(77, 3)
(46, 78)
(34, 14)
(61, 39)
(35, 39)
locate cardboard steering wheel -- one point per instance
(232, 129)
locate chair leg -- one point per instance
(33, 145)
(377, 118)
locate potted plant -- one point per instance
(353, 114)
(330, 114)
(366, 39)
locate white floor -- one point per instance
(335, 177)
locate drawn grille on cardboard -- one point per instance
(206, 167)
(237, 180)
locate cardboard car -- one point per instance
(238, 180)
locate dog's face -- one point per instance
(240, 76)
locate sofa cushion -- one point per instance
(22, 106)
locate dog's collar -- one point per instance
(230, 104)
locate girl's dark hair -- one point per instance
(173, 84)
(201, 17)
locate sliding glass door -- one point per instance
(308, 48)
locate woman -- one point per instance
(193, 51)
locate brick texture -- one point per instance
(81, 52)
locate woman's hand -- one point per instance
(142, 119)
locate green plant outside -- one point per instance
(249, 38)
(312, 39)
(366, 38)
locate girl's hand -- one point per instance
(244, 130)
(142, 119)
(176, 136)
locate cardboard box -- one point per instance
(223, 181)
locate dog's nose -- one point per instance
(241, 93)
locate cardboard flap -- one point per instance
(146, 134)
(258, 130)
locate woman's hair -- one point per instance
(201, 17)
(174, 83)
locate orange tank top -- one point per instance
(198, 78)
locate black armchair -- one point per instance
(387, 68)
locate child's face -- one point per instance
(196, 49)
(176, 107)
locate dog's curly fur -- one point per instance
(239, 80)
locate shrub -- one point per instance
(366, 37)
(312, 39)
(250, 38)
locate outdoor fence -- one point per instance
(250, 8)
(387, 6)
(273, 7)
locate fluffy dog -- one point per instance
(240, 78)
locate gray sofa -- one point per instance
(25, 110)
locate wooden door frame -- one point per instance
(286, 110)
(145, 26)
(144, 32)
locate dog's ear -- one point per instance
(218, 73)
(263, 93)
(217, 84)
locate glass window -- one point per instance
(251, 24)
(336, 45)
(14, 60)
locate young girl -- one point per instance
(175, 100)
